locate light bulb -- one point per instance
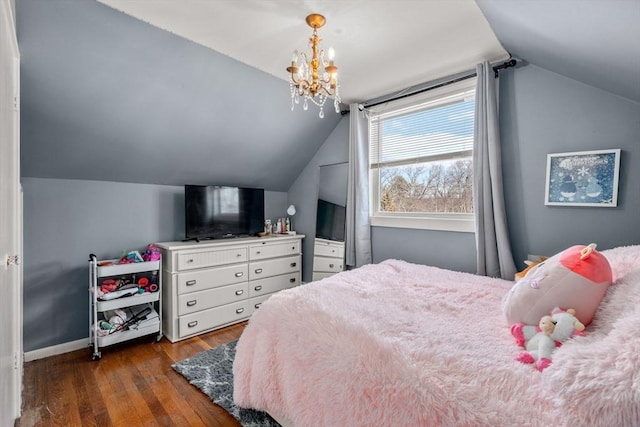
(294, 57)
(331, 54)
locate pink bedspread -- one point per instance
(398, 344)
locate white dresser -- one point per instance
(328, 258)
(211, 284)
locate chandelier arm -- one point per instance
(304, 57)
(327, 91)
(296, 82)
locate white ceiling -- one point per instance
(381, 46)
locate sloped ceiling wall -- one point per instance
(596, 42)
(106, 97)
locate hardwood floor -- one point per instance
(132, 385)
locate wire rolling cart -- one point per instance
(143, 310)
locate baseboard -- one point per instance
(56, 349)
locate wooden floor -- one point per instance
(132, 385)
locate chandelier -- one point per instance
(314, 79)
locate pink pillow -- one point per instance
(577, 278)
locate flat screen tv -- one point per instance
(330, 220)
(214, 212)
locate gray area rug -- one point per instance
(212, 372)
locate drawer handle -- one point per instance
(239, 310)
(240, 292)
(330, 265)
(293, 248)
(258, 288)
(333, 251)
(191, 282)
(239, 254)
(257, 252)
(239, 274)
(258, 305)
(191, 303)
(292, 280)
(293, 264)
(192, 324)
(258, 270)
(189, 260)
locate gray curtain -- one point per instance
(358, 228)
(492, 235)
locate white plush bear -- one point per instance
(541, 341)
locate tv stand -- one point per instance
(209, 285)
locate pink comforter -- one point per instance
(398, 344)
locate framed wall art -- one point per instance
(585, 178)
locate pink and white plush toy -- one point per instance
(540, 342)
(578, 277)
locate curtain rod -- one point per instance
(458, 78)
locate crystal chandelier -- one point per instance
(314, 79)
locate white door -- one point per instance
(10, 222)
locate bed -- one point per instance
(399, 344)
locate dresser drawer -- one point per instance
(330, 265)
(273, 249)
(256, 302)
(200, 280)
(328, 249)
(211, 257)
(274, 267)
(206, 319)
(319, 275)
(273, 284)
(202, 300)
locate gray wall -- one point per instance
(303, 193)
(451, 250)
(66, 220)
(112, 98)
(542, 112)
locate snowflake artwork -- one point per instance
(588, 178)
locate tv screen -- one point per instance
(213, 212)
(330, 220)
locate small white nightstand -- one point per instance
(328, 258)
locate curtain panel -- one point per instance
(494, 257)
(358, 227)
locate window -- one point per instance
(421, 160)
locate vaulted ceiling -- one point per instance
(195, 91)
(596, 42)
(381, 46)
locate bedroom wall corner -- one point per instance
(542, 112)
(303, 193)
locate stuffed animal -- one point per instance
(551, 332)
(151, 253)
(530, 264)
(577, 277)
(540, 346)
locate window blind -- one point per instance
(428, 127)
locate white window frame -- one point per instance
(459, 222)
